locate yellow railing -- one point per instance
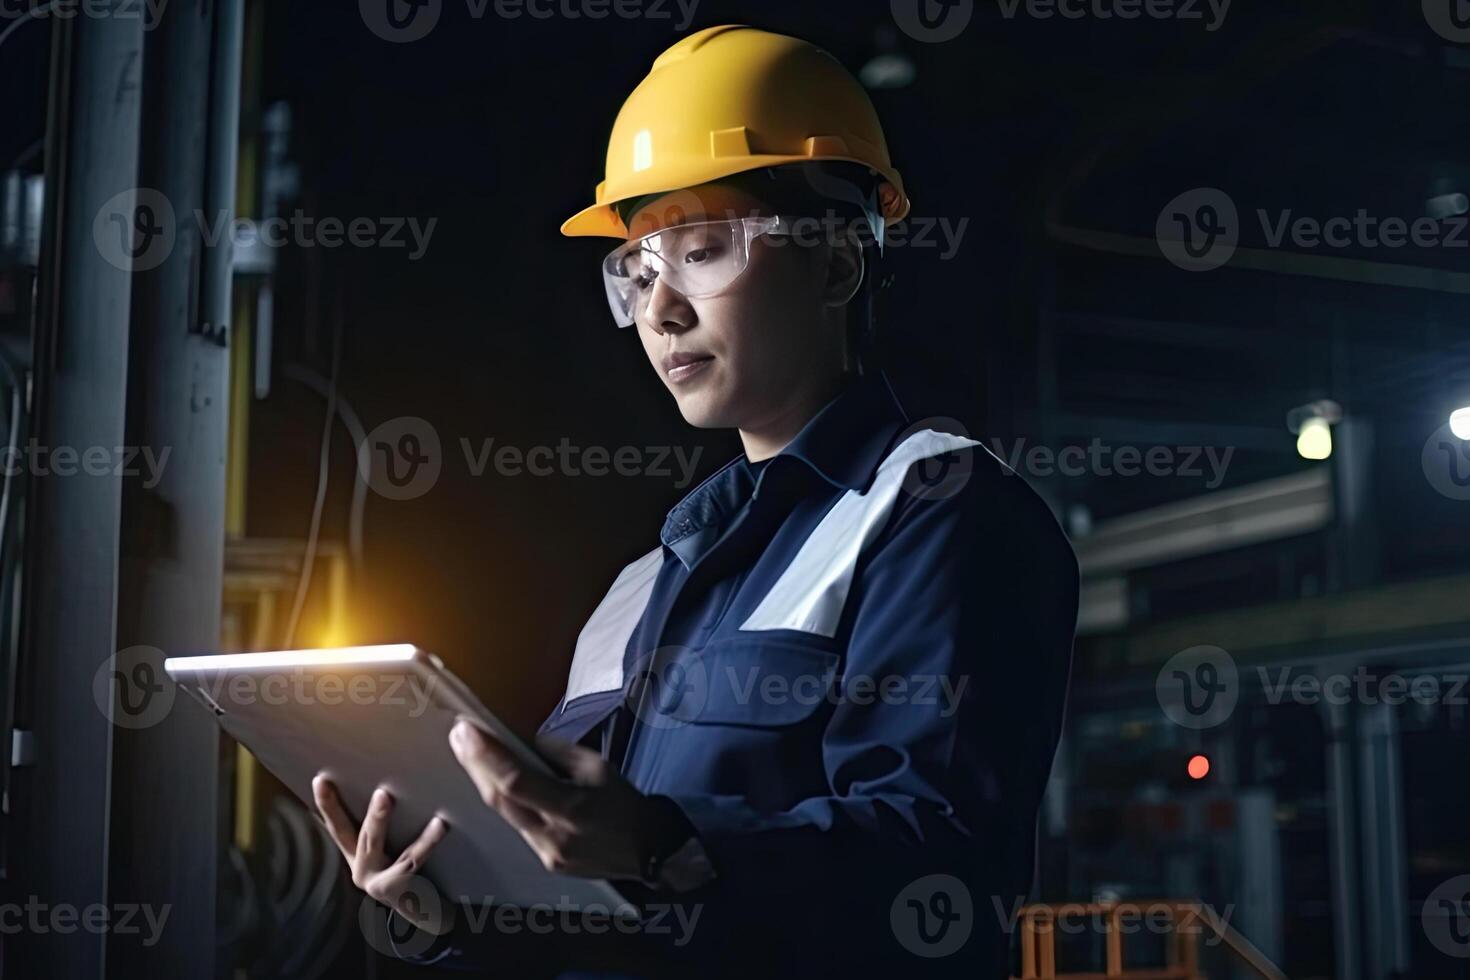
(1181, 920)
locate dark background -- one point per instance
(1059, 143)
(497, 128)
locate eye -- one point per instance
(697, 256)
(643, 280)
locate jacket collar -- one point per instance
(848, 438)
(843, 444)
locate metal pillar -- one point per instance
(61, 801)
(165, 831)
(1342, 836)
(1385, 887)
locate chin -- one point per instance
(705, 410)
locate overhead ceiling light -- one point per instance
(1314, 441)
(1443, 206)
(889, 67)
(889, 70)
(1312, 424)
(1460, 422)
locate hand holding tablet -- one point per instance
(366, 718)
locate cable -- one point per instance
(353, 425)
(308, 558)
(9, 572)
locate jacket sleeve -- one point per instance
(979, 589)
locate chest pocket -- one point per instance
(755, 682)
(810, 594)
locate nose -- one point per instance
(668, 311)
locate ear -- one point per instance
(844, 272)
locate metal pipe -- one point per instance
(61, 802)
(165, 832)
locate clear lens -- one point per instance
(696, 260)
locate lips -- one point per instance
(681, 365)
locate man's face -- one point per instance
(743, 356)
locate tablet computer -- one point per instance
(374, 716)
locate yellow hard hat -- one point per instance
(731, 99)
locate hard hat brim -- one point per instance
(601, 220)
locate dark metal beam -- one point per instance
(165, 832)
(61, 803)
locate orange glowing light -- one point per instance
(1199, 766)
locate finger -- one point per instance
(522, 818)
(494, 770)
(518, 815)
(339, 824)
(371, 838)
(414, 855)
(584, 766)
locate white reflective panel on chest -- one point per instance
(597, 664)
(810, 594)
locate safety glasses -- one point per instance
(696, 260)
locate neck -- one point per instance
(775, 433)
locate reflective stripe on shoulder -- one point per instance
(597, 664)
(810, 594)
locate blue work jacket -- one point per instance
(847, 666)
